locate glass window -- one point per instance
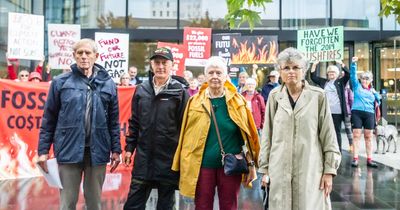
(101, 14)
(364, 54)
(206, 13)
(356, 14)
(389, 78)
(390, 23)
(59, 11)
(303, 14)
(152, 14)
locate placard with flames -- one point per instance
(254, 50)
(22, 107)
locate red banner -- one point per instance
(21, 109)
(179, 53)
(198, 44)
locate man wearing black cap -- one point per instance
(157, 111)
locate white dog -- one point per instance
(386, 134)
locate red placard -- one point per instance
(21, 109)
(179, 53)
(198, 44)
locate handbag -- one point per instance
(233, 163)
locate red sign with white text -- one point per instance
(198, 44)
(179, 53)
(21, 109)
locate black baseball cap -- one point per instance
(162, 52)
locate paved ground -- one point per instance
(390, 159)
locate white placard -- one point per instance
(25, 36)
(61, 39)
(113, 53)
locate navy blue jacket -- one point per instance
(63, 122)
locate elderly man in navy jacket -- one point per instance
(81, 121)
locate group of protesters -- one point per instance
(182, 128)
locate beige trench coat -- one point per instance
(297, 147)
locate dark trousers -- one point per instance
(139, 192)
(227, 186)
(337, 122)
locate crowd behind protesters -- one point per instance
(252, 118)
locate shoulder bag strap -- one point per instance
(216, 128)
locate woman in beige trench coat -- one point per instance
(299, 153)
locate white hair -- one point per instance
(367, 74)
(251, 81)
(334, 69)
(216, 62)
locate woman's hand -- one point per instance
(326, 184)
(251, 176)
(265, 180)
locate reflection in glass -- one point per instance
(390, 23)
(303, 14)
(152, 14)
(356, 14)
(100, 14)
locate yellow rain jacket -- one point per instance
(193, 136)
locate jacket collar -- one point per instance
(302, 101)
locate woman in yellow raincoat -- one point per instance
(198, 156)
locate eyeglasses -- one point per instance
(365, 78)
(287, 68)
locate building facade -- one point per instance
(366, 35)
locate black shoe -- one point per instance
(354, 163)
(372, 164)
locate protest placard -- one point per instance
(113, 53)
(179, 54)
(222, 44)
(25, 36)
(249, 50)
(197, 41)
(321, 44)
(61, 39)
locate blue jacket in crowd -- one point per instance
(364, 99)
(63, 122)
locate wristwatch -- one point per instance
(251, 163)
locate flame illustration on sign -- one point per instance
(254, 52)
(15, 160)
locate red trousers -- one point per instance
(227, 186)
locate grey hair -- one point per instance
(216, 62)
(292, 55)
(367, 74)
(90, 42)
(333, 68)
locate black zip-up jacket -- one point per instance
(340, 84)
(154, 129)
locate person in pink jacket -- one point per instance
(255, 102)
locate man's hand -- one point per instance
(42, 162)
(127, 158)
(115, 160)
(326, 184)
